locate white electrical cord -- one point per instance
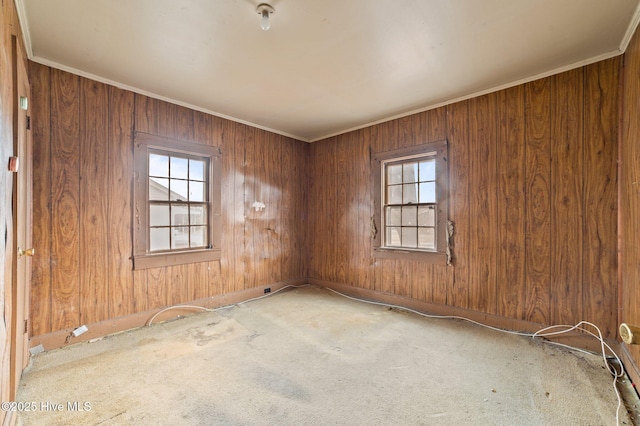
(543, 332)
(202, 308)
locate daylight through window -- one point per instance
(411, 203)
(176, 202)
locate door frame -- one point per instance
(21, 215)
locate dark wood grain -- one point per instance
(120, 275)
(40, 77)
(600, 194)
(482, 202)
(65, 200)
(538, 200)
(629, 200)
(94, 185)
(511, 204)
(567, 230)
(458, 137)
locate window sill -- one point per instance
(170, 259)
(412, 255)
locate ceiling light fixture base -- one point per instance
(265, 10)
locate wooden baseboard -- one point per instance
(574, 339)
(61, 338)
(96, 330)
(630, 366)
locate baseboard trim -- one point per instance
(574, 339)
(99, 329)
(58, 339)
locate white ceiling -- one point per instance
(325, 66)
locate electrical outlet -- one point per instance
(267, 290)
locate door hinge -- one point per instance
(28, 122)
(26, 326)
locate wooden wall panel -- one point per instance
(511, 204)
(518, 187)
(41, 264)
(567, 176)
(344, 225)
(483, 228)
(94, 183)
(600, 193)
(363, 262)
(65, 199)
(459, 164)
(88, 276)
(120, 276)
(629, 201)
(538, 200)
(234, 187)
(436, 130)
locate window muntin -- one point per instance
(409, 207)
(411, 203)
(177, 209)
(178, 201)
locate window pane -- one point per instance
(198, 215)
(394, 174)
(179, 214)
(158, 165)
(428, 192)
(158, 189)
(394, 216)
(180, 237)
(409, 172)
(410, 193)
(410, 237)
(159, 239)
(409, 215)
(427, 238)
(427, 170)
(394, 194)
(198, 236)
(159, 215)
(179, 190)
(196, 170)
(196, 191)
(426, 216)
(393, 236)
(179, 167)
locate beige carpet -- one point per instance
(309, 357)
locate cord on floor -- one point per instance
(543, 332)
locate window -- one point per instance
(176, 202)
(411, 203)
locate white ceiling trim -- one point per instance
(590, 61)
(156, 96)
(24, 25)
(22, 15)
(631, 30)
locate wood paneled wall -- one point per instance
(83, 172)
(533, 195)
(630, 201)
